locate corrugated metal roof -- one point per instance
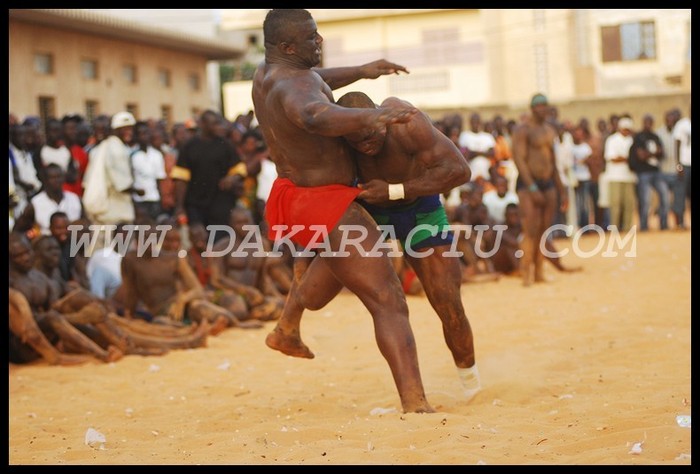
(118, 28)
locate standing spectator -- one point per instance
(669, 165)
(681, 132)
(79, 157)
(564, 158)
(582, 153)
(25, 177)
(646, 155)
(621, 180)
(166, 187)
(208, 176)
(148, 169)
(54, 150)
(596, 166)
(34, 140)
(108, 179)
(100, 131)
(252, 150)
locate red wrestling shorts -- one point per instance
(304, 209)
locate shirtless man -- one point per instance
(537, 185)
(303, 128)
(40, 294)
(247, 275)
(104, 327)
(169, 289)
(421, 163)
(27, 341)
(506, 261)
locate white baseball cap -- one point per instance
(123, 119)
(625, 123)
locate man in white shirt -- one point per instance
(498, 199)
(480, 147)
(148, 167)
(108, 181)
(621, 180)
(681, 133)
(53, 198)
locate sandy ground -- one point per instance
(590, 368)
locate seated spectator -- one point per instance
(497, 199)
(52, 199)
(72, 267)
(104, 328)
(246, 275)
(41, 295)
(168, 289)
(506, 260)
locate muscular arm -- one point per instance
(309, 108)
(338, 77)
(445, 166)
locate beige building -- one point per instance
(589, 62)
(76, 61)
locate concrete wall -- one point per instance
(110, 89)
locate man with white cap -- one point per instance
(108, 180)
(620, 178)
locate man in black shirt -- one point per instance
(646, 154)
(208, 175)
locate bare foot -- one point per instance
(219, 325)
(288, 344)
(199, 337)
(420, 408)
(113, 354)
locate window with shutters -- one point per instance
(629, 41)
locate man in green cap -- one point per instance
(537, 185)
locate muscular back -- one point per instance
(281, 96)
(415, 150)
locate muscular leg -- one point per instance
(440, 277)
(145, 328)
(530, 219)
(314, 285)
(547, 213)
(79, 342)
(161, 344)
(441, 280)
(94, 314)
(24, 326)
(375, 282)
(200, 310)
